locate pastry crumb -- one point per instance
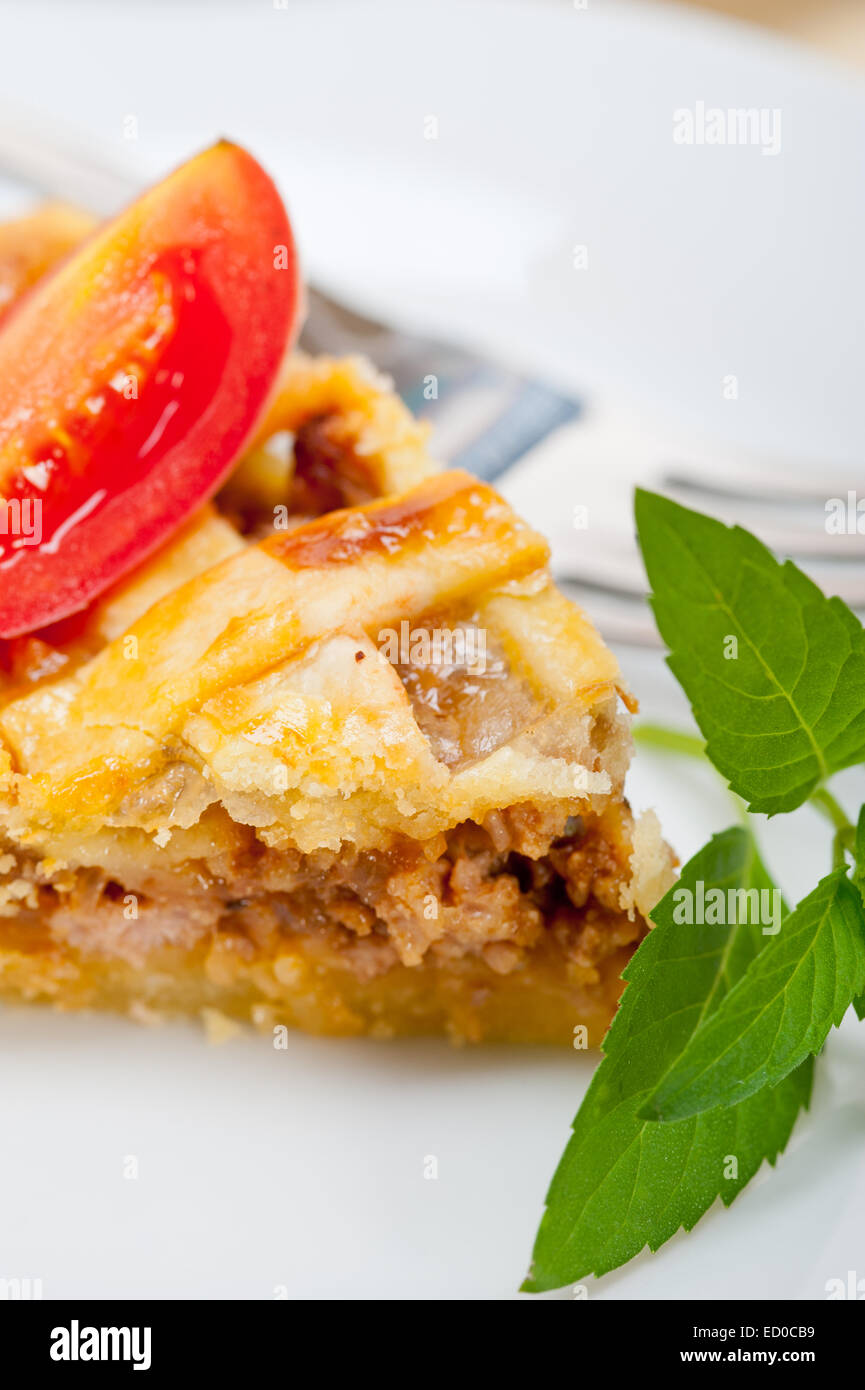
(218, 1027)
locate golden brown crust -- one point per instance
(246, 675)
(451, 511)
(347, 412)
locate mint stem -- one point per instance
(671, 740)
(824, 802)
(827, 805)
(676, 741)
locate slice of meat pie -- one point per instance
(338, 756)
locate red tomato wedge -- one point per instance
(131, 377)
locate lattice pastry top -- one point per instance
(392, 668)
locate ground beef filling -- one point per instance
(524, 880)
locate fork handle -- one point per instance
(63, 165)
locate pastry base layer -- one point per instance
(544, 1002)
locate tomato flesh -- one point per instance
(174, 334)
(149, 403)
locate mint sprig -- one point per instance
(710, 1057)
(623, 1182)
(859, 880)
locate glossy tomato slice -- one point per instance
(131, 377)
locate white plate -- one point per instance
(302, 1171)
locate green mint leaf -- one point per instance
(859, 854)
(859, 880)
(624, 1182)
(774, 670)
(798, 987)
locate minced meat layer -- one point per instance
(490, 891)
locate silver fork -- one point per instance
(569, 470)
(578, 488)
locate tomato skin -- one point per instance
(195, 286)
